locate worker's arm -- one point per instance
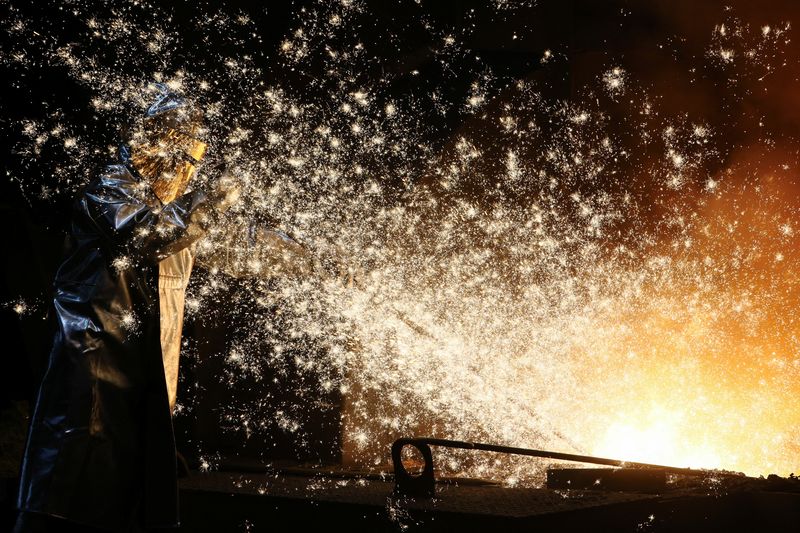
(130, 217)
(241, 248)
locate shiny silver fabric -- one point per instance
(173, 278)
(100, 444)
(243, 249)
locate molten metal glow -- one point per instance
(660, 441)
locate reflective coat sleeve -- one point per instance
(131, 218)
(244, 249)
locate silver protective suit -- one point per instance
(100, 445)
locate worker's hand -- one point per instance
(226, 193)
(334, 264)
(279, 254)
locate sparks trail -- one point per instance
(605, 270)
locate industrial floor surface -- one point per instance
(302, 500)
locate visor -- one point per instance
(195, 151)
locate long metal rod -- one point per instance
(563, 456)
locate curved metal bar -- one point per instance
(406, 484)
(424, 484)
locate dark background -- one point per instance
(657, 42)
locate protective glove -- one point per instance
(332, 262)
(226, 193)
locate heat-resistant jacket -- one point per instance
(100, 445)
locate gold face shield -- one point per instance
(195, 151)
(171, 185)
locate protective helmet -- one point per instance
(166, 146)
